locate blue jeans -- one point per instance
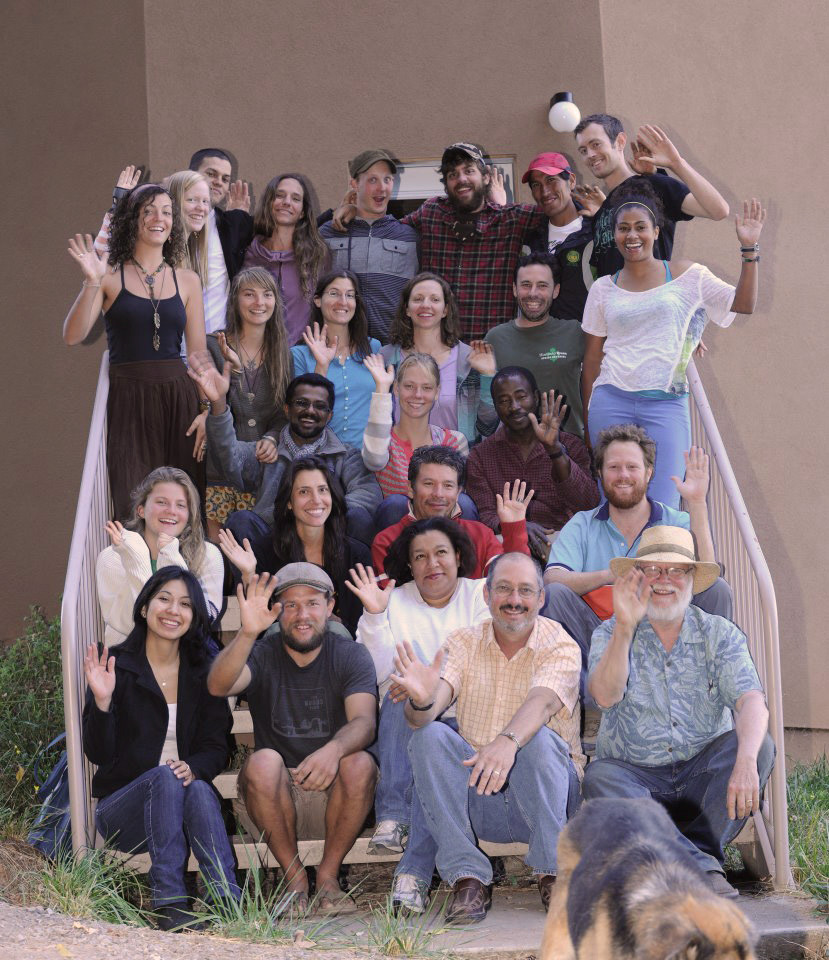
(392, 510)
(693, 792)
(567, 607)
(156, 814)
(531, 808)
(667, 422)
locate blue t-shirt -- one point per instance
(590, 539)
(353, 387)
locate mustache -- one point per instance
(513, 608)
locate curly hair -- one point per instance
(358, 324)
(286, 542)
(193, 645)
(397, 562)
(402, 328)
(191, 539)
(637, 192)
(195, 258)
(123, 227)
(623, 433)
(310, 250)
(276, 356)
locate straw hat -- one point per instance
(673, 545)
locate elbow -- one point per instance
(215, 688)
(721, 210)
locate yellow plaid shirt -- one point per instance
(489, 688)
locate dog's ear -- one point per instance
(693, 946)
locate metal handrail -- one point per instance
(755, 612)
(80, 617)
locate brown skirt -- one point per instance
(150, 407)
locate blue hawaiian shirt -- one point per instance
(678, 702)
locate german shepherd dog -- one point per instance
(628, 890)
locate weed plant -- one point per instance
(398, 933)
(808, 794)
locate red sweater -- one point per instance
(486, 544)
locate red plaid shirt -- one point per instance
(479, 270)
(496, 460)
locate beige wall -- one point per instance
(287, 85)
(74, 102)
(738, 84)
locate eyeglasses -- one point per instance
(653, 572)
(316, 405)
(507, 589)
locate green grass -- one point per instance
(31, 714)
(398, 934)
(808, 793)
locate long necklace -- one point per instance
(248, 366)
(148, 281)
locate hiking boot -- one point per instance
(409, 893)
(546, 882)
(176, 917)
(389, 837)
(470, 902)
(721, 886)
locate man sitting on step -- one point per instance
(313, 702)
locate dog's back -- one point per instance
(627, 888)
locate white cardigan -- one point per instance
(122, 571)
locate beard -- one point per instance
(674, 610)
(471, 203)
(514, 626)
(534, 314)
(303, 646)
(627, 499)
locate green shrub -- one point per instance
(808, 793)
(31, 714)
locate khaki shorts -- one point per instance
(310, 806)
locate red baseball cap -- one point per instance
(551, 163)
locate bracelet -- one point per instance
(89, 283)
(421, 709)
(752, 259)
(204, 405)
(560, 453)
(755, 248)
(512, 736)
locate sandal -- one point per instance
(292, 904)
(332, 902)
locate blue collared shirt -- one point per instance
(675, 703)
(590, 539)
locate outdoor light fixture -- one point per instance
(564, 115)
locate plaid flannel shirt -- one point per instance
(479, 270)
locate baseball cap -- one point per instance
(364, 160)
(551, 163)
(302, 574)
(472, 150)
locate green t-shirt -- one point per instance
(553, 352)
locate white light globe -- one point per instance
(564, 116)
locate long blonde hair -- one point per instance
(191, 539)
(177, 185)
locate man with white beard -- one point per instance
(668, 677)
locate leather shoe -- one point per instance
(546, 882)
(470, 902)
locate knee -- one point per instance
(766, 758)
(358, 773)
(717, 599)
(262, 772)
(556, 595)
(435, 737)
(242, 523)
(200, 792)
(598, 780)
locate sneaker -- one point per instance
(721, 886)
(389, 837)
(409, 893)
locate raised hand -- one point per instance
(497, 193)
(243, 558)
(590, 197)
(228, 352)
(383, 375)
(317, 342)
(214, 385)
(654, 147)
(116, 532)
(254, 609)
(631, 594)
(92, 264)
(750, 225)
(345, 213)
(512, 506)
(365, 587)
(100, 675)
(418, 680)
(266, 449)
(482, 358)
(128, 178)
(238, 196)
(553, 411)
(694, 488)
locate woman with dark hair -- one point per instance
(308, 524)
(149, 305)
(336, 345)
(288, 245)
(165, 529)
(642, 325)
(253, 342)
(427, 321)
(158, 739)
(429, 595)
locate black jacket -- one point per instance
(235, 229)
(127, 740)
(573, 255)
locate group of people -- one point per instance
(461, 439)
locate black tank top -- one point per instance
(130, 327)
